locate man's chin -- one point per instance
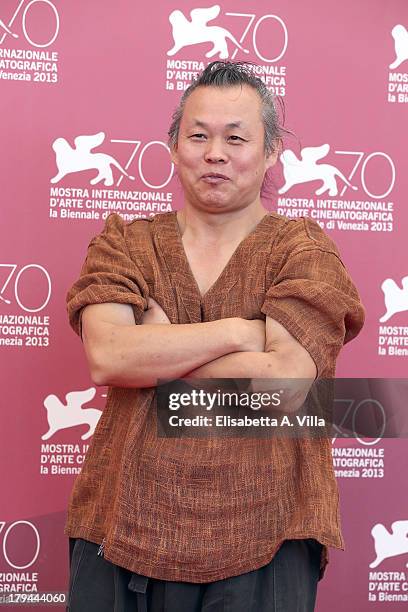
(216, 207)
(216, 203)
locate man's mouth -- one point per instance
(214, 177)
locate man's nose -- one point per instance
(215, 151)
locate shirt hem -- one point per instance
(182, 574)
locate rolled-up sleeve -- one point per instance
(108, 275)
(314, 298)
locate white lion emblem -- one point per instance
(306, 169)
(400, 35)
(61, 417)
(396, 299)
(389, 544)
(81, 157)
(197, 31)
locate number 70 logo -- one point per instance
(27, 14)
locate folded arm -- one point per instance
(279, 360)
(120, 353)
(284, 358)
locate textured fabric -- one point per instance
(287, 584)
(200, 510)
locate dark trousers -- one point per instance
(287, 584)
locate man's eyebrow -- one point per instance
(233, 124)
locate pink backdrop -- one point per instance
(70, 69)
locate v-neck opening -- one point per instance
(224, 271)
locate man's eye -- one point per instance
(235, 138)
(197, 136)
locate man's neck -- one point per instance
(219, 227)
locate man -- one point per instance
(220, 289)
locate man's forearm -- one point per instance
(241, 365)
(137, 356)
(263, 369)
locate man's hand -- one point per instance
(154, 313)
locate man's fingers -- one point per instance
(151, 303)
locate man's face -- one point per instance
(220, 157)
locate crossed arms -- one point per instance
(123, 354)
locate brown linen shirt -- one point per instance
(200, 510)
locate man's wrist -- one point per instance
(231, 329)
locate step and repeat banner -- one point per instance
(87, 90)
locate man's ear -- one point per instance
(272, 158)
(174, 155)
